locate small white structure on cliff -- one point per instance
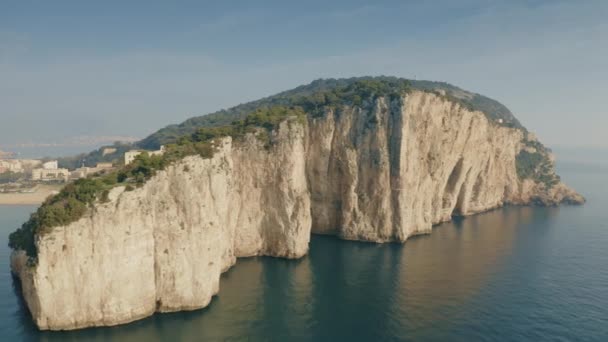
(104, 166)
(131, 155)
(84, 172)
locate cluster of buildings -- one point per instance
(39, 171)
(18, 165)
(50, 171)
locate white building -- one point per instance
(131, 155)
(108, 150)
(104, 166)
(50, 165)
(47, 175)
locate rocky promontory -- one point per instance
(379, 167)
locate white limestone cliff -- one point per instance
(381, 174)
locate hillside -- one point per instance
(303, 95)
(493, 109)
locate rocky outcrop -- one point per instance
(383, 173)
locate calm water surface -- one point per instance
(514, 274)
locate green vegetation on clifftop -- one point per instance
(330, 92)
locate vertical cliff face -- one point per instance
(382, 173)
(163, 247)
(394, 171)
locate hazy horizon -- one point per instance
(112, 69)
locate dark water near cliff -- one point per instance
(515, 274)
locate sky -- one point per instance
(70, 69)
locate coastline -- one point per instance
(35, 198)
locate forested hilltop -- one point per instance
(314, 96)
(321, 93)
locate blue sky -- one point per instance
(75, 68)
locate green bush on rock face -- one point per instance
(23, 238)
(527, 163)
(353, 94)
(536, 166)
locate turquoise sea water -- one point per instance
(513, 274)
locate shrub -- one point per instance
(536, 166)
(527, 163)
(105, 196)
(205, 150)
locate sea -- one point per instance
(512, 274)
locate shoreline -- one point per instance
(41, 193)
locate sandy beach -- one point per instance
(41, 192)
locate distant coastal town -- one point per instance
(31, 181)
